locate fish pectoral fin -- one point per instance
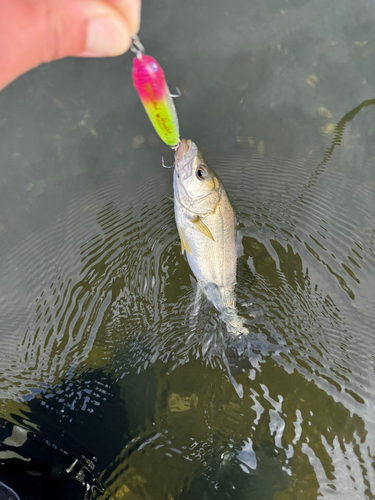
(184, 243)
(201, 227)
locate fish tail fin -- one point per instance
(224, 300)
(235, 324)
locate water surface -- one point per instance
(99, 351)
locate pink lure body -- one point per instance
(149, 81)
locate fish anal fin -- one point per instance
(184, 243)
(201, 227)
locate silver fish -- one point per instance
(206, 224)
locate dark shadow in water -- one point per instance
(240, 475)
(68, 416)
(336, 141)
(126, 308)
(67, 412)
(36, 469)
(339, 132)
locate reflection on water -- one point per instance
(100, 349)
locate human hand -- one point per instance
(37, 31)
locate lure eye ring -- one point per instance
(201, 173)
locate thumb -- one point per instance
(36, 31)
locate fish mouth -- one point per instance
(184, 159)
(183, 150)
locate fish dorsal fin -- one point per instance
(202, 228)
(184, 244)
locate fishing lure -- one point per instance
(149, 81)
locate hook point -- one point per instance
(178, 93)
(164, 165)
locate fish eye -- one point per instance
(201, 172)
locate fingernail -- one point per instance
(106, 36)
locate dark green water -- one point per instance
(98, 351)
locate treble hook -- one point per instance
(164, 165)
(168, 166)
(174, 156)
(176, 95)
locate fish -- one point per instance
(206, 224)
